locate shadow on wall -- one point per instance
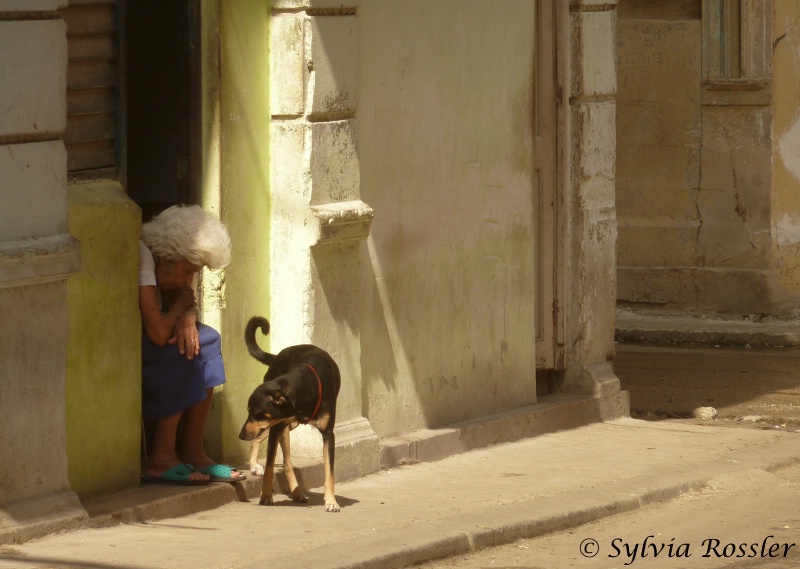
(446, 289)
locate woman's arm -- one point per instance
(160, 327)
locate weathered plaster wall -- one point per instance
(32, 398)
(444, 137)
(693, 170)
(103, 385)
(36, 257)
(785, 198)
(658, 157)
(409, 124)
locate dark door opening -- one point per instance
(162, 77)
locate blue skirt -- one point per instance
(171, 383)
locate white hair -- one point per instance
(188, 232)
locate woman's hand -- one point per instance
(186, 335)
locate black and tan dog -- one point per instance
(301, 386)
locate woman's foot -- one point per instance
(154, 469)
(202, 463)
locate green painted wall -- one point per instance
(103, 387)
(244, 122)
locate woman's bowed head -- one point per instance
(176, 383)
(182, 240)
(188, 233)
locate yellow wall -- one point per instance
(103, 387)
(244, 120)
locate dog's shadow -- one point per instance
(282, 495)
(315, 499)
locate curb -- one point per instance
(532, 518)
(638, 328)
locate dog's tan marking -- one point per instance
(251, 429)
(288, 469)
(266, 482)
(321, 422)
(330, 498)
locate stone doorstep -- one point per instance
(671, 330)
(153, 502)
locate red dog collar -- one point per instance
(319, 399)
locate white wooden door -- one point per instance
(547, 124)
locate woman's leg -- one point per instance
(164, 455)
(195, 419)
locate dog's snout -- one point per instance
(251, 430)
(247, 434)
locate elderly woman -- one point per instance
(181, 358)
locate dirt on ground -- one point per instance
(749, 422)
(756, 387)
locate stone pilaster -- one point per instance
(318, 219)
(591, 205)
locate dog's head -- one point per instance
(267, 405)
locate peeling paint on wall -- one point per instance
(789, 148)
(787, 230)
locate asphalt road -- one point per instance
(744, 522)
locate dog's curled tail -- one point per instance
(250, 339)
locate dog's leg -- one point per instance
(328, 452)
(255, 446)
(288, 469)
(269, 472)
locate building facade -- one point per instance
(707, 170)
(425, 188)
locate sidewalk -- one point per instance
(431, 509)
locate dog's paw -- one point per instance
(332, 507)
(265, 501)
(298, 496)
(257, 469)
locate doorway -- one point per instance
(163, 103)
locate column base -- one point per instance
(24, 520)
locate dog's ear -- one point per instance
(281, 400)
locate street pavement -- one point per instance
(743, 520)
(434, 510)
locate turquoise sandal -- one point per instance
(178, 475)
(222, 473)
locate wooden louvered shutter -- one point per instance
(92, 88)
